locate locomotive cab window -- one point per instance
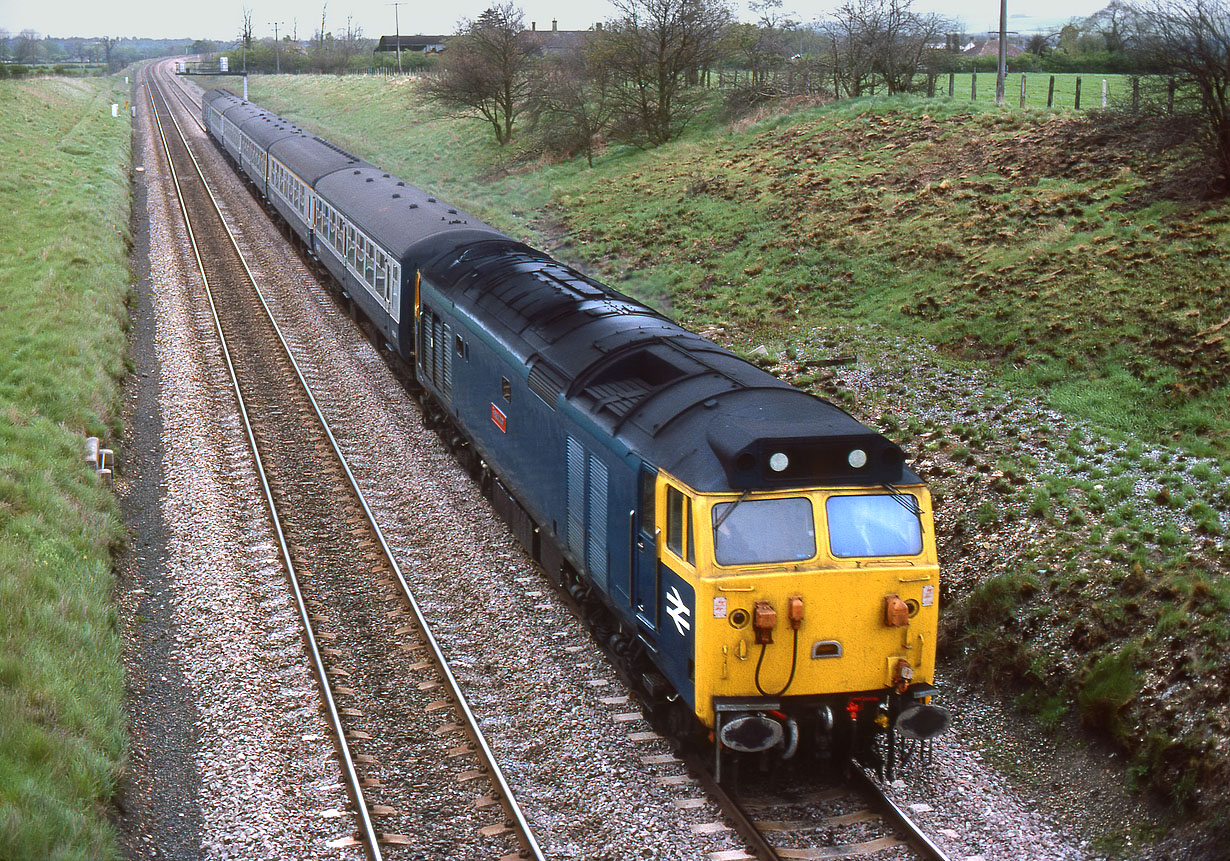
(763, 531)
(648, 490)
(874, 525)
(506, 389)
(678, 521)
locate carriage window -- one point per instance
(678, 518)
(874, 525)
(382, 284)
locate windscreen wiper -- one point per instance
(909, 500)
(731, 510)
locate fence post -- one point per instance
(1103, 94)
(973, 87)
(1022, 89)
(1170, 97)
(1135, 93)
(1050, 93)
(930, 85)
(1077, 105)
(952, 84)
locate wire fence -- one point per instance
(1038, 90)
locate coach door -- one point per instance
(645, 553)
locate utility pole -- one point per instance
(277, 53)
(397, 31)
(1002, 69)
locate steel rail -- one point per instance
(367, 828)
(920, 842)
(495, 773)
(759, 845)
(181, 93)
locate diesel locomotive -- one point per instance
(761, 563)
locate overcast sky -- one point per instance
(222, 20)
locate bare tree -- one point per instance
(108, 45)
(320, 47)
(886, 39)
(29, 47)
(765, 45)
(245, 35)
(349, 44)
(485, 70)
(1115, 23)
(654, 52)
(1188, 41)
(1040, 44)
(852, 58)
(569, 103)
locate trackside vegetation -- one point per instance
(1033, 306)
(64, 279)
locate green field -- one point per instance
(63, 283)
(1037, 87)
(1045, 305)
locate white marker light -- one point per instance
(857, 458)
(778, 462)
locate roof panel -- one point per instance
(398, 215)
(267, 128)
(310, 157)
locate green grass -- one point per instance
(1109, 685)
(1037, 85)
(63, 283)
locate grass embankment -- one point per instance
(63, 282)
(1043, 317)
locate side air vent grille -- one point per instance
(546, 382)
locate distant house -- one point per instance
(989, 48)
(555, 40)
(411, 44)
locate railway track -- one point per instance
(411, 752)
(854, 819)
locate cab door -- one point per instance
(645, 555)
